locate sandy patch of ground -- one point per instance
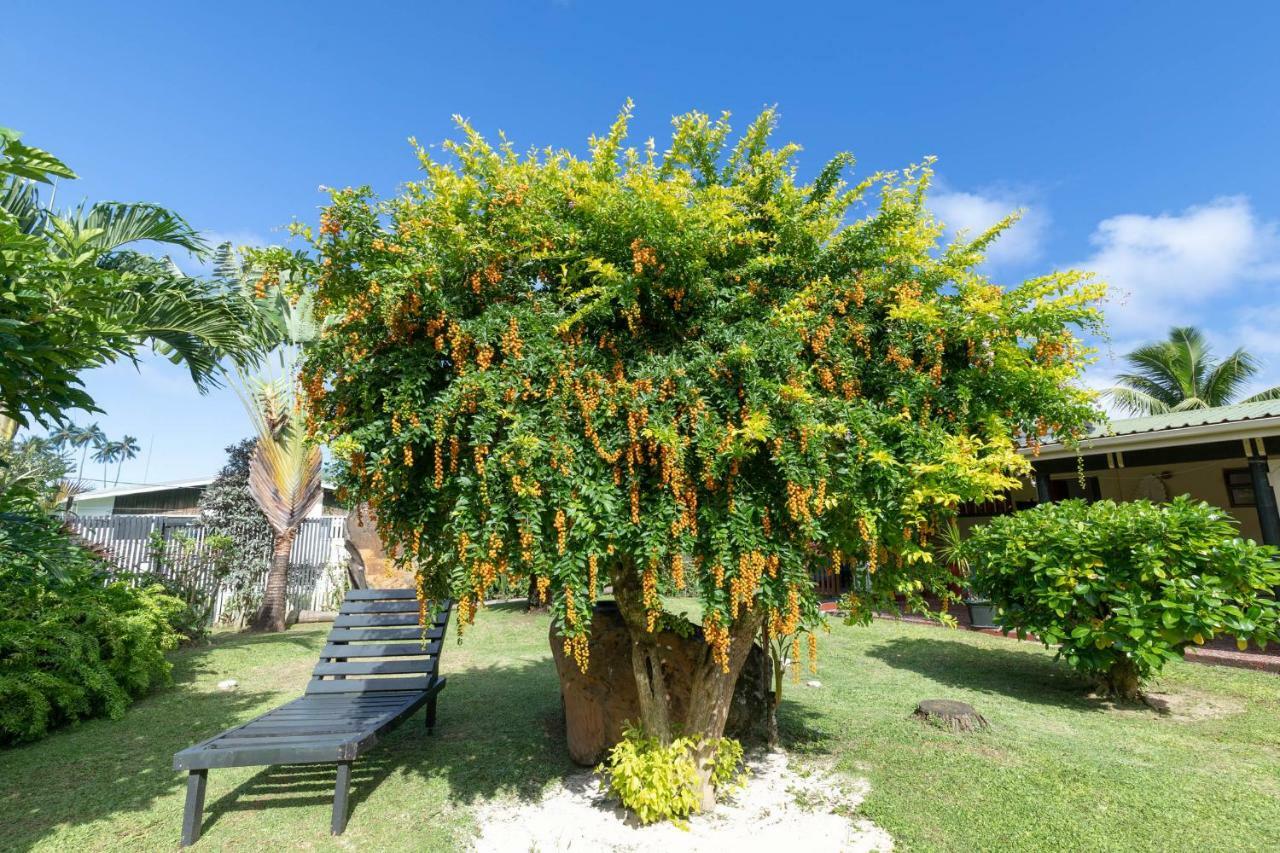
(1191, 706)
(778, 809)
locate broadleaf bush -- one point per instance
(72, 644)
(1122, 588)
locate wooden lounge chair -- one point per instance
(377, 668)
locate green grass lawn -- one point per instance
(1056, 771)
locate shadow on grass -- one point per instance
(98, 768)
(1027, 677)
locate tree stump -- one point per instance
(600, 701)
(951, 715)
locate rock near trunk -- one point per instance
(599, 702)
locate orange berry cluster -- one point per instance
(578, 647)
(865, 530)
(798, 502)
(717, 636)
(642, 256)
(559, 525)
(677, 570)
(512, 344)
(593, 576)
(742, 586)
(653, 605)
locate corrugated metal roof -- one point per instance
(121, 491)
(1189, 418)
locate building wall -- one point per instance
(1201, 480)
(89, 507)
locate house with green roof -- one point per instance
(1228, 456)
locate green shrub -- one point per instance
(1123, 588)
(659, 782)
(72, 645)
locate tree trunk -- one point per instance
(275, 605)
(534, 600)
(770, 684)
(711, 696)
(711, 692)
(1121, 681)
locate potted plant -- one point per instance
(982, 613)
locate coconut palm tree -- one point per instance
(64, 435)
(106, 453)
(284, 471)
(1180, 373)
(127, 448)
(85, 438)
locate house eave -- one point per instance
(1197, 434)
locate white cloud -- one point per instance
(1215, 266)
(972, 213)
(1169, 269)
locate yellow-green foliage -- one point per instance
(688, 364)
(659, 782)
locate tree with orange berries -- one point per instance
(687, 368)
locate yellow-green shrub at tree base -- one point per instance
(660, 781)
(684, 369)
(1122, 588)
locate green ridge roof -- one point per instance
(1189, 418)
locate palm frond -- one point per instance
(284, 472)
(1191, 404)
(121, 224)
(1134, 402)
(1226, 379)
(21, 200)
(1157, 364)
(26, 161)
(226, 265)
(1192, 355)
(1261, 396)
(189, 321)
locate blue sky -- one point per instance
(1140, 138)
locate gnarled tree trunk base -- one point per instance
(599, 702)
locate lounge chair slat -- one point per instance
(346, 635)
(405, 606)
(373, 620)
(384, 620)
(376, 667)
(380, 650)
(380, 594)
(308, 729)
(368, 685)
(273, 741)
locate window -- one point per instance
(1240, 487)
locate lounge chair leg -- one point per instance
(340, 790)
(431, 714)
(193, 815)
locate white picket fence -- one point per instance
(316, 573)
